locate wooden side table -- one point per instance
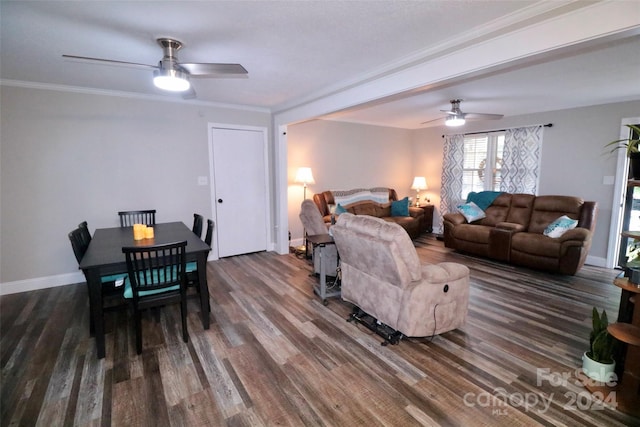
(629, 386)
(428, 217)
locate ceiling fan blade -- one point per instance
(483, 116)
(448, 111)
(216, 70)
(431, 121)
(109, 62)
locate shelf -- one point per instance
(631, 234)
(633, 183)
(625, 332)
(624, 283)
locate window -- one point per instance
(481, 170)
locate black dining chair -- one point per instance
(209, 236)
(146, 217)
(192, 266)
(156, 278)
(112, 284)
(197, 225)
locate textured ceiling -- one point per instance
(295, 50)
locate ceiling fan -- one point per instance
(455, 116)
(172, 75)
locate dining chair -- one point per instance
(192, 266)
(112, 284)
(146, 217)
(208, 237)
(156, 278)
(197, 225)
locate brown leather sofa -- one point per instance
(414, 224)
(512, 231)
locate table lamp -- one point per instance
(419, 183)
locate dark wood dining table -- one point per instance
(104, 256)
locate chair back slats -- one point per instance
(146, 217)
(85, 235)
(209, 236)
(197, 225)
(156, 268)
(79, 243)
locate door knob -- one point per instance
(219, 200)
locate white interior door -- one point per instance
(239, 190)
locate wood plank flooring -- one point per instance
(276, 356)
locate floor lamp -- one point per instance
(304, 177)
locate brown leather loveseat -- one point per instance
(414, 224)
(512, 231)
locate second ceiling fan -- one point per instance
(456, 117)
(172, 75)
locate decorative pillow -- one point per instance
(471, 211)
(400, 207)
(560, 226)
(339, 209)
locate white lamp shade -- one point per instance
(304, 176)
(171, 80)
(419, 183)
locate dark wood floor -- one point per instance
(276, 356)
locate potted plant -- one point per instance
(631, 145)
(598, 363)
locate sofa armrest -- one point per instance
(443, 272)
(510, 226)
(500, 240)
(577, 234)
(415, 212)
(455, 218)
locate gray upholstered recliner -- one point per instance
(383, 276)
(314, 224)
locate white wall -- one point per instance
(343, 156)
(70, 157)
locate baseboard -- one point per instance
(41, 283)
(596, 261)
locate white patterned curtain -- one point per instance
(521, 160)
(451, 174)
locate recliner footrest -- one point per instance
(390, 335)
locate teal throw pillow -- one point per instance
(471, 211)
(400, 207)
(560, 226)
(339, 209)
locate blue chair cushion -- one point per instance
(128, 290)
(191, 267)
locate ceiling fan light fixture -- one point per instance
(171, 80)
(454, 120)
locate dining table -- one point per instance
(104, 257)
